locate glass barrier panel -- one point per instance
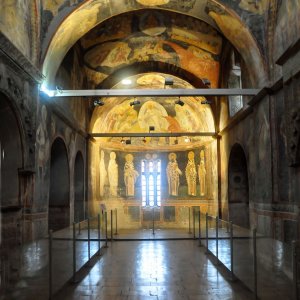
(212, 242)
(243, 262)
(62, 263)
(224, 247)
(274, 268)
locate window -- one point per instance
(235, 82)
(151, 177)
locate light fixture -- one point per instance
(98, 102)
(126, 81)
(169, 81)
(206, 82)
(187, 139)
(144, 140)
(179, 102)
(46, 91)
(176, 141)
(206, 101)
(128, 142)
(135, 102)
(122, 141)
(59, 89)
(151, 128)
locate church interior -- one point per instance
(162, 123)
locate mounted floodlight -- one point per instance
(126, 82)
(59, 89)
(46, 91)
(122, 141)
(128, 142)
(206, 102)
(98, 102)
(179, 102)
(206, 82)
(135, 102)
(176, 142)
(151, 128)
(169, 81)
(187, 139)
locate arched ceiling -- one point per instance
(70, 25)
(118, 116)
(156, 36)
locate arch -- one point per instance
(68, 33)
(59, 194)
(11, 161)
(238, 187)
(79, 188)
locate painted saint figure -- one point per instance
(113, 174)
(173, 173)
(130, 175)
(103, 174)
(202, 173)
(191, 174)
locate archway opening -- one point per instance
(79, 188)
(59, 204)
(238, 187)
(10, 163)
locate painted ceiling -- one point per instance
(151, 35)
(118, 116)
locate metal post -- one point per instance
(50, 263)
(217, 238)
(111, 225)
(79, 228)
(106, 246)
(153, 232)
(116, 232)
(206, 231)
(190, 220)
(99, 234)
(199, 227)
(231, 250)
(89, 238)
(74, 252)
(255, 262)
(295, 267)
(194, 231)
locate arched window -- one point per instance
(151, 178)
(235, 82)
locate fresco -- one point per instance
(15, 23)
(153, 36)
(117, 115)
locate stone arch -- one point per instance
(66, 33)
(79, 188)
(59, 193)
(238, 187)
(11, 162)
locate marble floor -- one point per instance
(155, 270)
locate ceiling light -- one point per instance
(135, 102)
(169, 81)
(98, 102)
(179, 102)
(126, 81)
(206, 101)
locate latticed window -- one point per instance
(151, 177)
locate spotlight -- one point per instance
(206, 101)
(135, 102)
(169, 81)
(98, 102)
(187, 139)
(123, 141)
(206, 82)
(176, 142)
(128, 142)
(179, 102)
(151, 128)
(59, 89)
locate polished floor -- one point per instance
(154, 270)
